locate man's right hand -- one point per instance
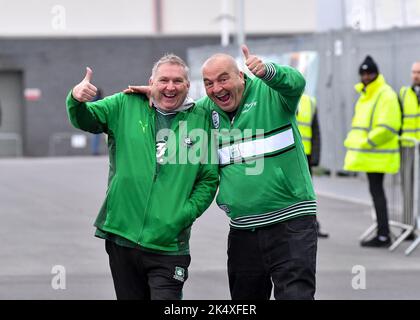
(147, 90)
(138, 89)
(85, 91)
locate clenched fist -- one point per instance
(85, 91)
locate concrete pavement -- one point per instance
(47, 208)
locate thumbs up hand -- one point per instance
(85, 91)
(253, 63)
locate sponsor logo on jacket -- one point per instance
(249, 106)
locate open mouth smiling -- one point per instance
(169, 96)
(223, 98)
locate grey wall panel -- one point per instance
(56, 65)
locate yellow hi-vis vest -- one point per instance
(305, 115)
(372, 143)
(411, 115)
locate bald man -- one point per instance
(265, 185)
(409, 97)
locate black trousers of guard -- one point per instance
(376, 188)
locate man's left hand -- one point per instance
(253, 63)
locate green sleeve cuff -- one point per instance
(71, 101)
(270, 72)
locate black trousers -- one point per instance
(283, 254)
(376, 188)
(142, 275)
(308, 157)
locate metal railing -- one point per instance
(415, 169)
(403, 197)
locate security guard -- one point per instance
(308, 125)
(372, 144)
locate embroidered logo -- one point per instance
(248, 106)
(216, 120)
(160, 150)
(143, 125)
(179, 274)
(224, 207)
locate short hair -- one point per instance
(171, 59)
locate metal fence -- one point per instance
(402, 191)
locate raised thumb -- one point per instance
(89, 74)
(245, 51)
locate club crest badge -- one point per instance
(216, 120)
(188, 142)
(179, 274)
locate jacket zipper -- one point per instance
(154, 177)
(153, 182)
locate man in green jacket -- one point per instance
(265, 185)
(160, 178)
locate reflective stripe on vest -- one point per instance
(304, 117)
(375, 150)
(250, 149)
(370, 128)
(411, 115)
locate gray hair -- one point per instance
(171, 59)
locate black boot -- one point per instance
(377, 242)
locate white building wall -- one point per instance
(76, 17)
(57, 18)
(261, 16)
(266, 16)
(139, 17)
(367, 15)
